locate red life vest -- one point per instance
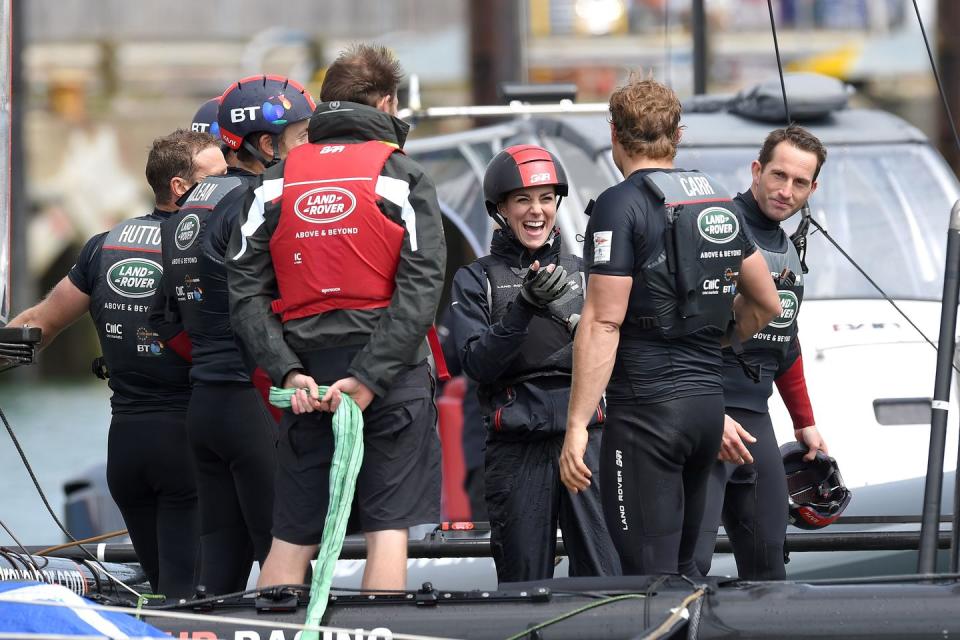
(333, 247)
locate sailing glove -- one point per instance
(542, 287)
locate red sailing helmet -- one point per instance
(519, 167)
(817, 495)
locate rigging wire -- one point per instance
(668, 45)
(776, 48)
(531, 631)
(812, 220)
(676, 615)
(28, 559)
(873, 283)
(103, 536)
(936, 76)
(46, 503)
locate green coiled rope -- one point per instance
(347, 458)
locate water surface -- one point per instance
(62, 428)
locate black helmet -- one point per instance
(261, 104)
(518, 167)
(205, 119)
(815, 488)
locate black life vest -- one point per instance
(548, 349)
(691, 284)
(777, 335)
(184, 258)
(120, 308)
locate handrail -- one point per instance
(476, 544)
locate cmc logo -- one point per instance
(718, 225)
(711, 285)
(134, 277)
(325, 205)
(788, 310)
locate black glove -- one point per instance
(542, 287)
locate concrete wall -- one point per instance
(59, 20)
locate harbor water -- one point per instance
(62, 428)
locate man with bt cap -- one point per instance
(232, 435)
(205, 121)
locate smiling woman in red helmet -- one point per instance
(513, 316)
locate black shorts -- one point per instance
(399, 481)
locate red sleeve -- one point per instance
(262, 382)
(793, 389)
(180, 344)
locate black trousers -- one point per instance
(526, 502)
(151, 478)
(233, 439)
(751, 501)
(654, 467)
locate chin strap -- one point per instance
(262, 159)
(502, 222)
(751, 371)
(499, 219)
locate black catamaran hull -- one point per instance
(741, 610)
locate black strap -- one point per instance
(645, 322)
(752, 371)
(785, 278)
(99, 368)
(799, 237)
(256, 153)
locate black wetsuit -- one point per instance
(522, 362)
(664, 397)
(148, 462)
(233, 437)
(751, 499)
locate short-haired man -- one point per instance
(748, 486)
(668, 260)
(232, 436)
(344, 242)
(148, 462)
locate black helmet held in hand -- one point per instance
(519, 167)
(816, 491)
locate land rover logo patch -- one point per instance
(187, 231)
(788, 310)
(134, 277)
(325, 205)
(718, 225)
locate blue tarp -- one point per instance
(29, 618)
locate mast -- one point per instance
(22, 286)
(496, 47)
(700, 53)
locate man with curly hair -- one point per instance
(669, 266)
